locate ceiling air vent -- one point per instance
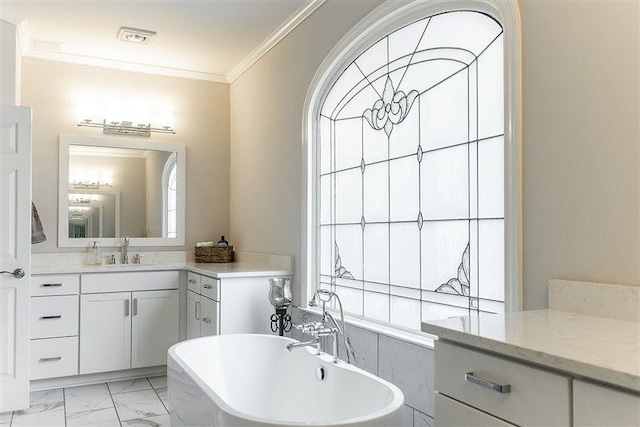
(136, 35)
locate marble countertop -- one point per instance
(603, 349)
(247, 265)
(219, 271)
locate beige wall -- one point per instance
(201, 114)
(581, 143)
(581, 195)
(266, 129)
(8, 46)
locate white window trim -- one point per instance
(172, 161)
(386, 18)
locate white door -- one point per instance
(15, 253)
(209, 317)
(193, 315)
(105, 332)
(154, 327)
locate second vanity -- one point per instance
(95, 322)
(571, 365)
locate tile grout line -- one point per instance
(156, 392)
(64, 405)
(114, 403)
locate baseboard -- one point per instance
(88, 379)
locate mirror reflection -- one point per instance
(111, 188)
(115, 192)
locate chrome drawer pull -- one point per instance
(192, 281)
(207, 286)
(59, 316)
(500, 388)
(206, 320)
(51, 285)
(51, 359)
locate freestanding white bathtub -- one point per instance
(253, 380)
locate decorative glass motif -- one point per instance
(411, 172)
(460, 284)
(340, 271)
(391, 109)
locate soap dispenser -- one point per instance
(222, 242)
(94, 255)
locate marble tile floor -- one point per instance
(139, 402)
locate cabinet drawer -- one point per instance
(210, 288)
(193, 282)
(122, 282)
(54, 316)
(54, 357)
(597, 405)
(451, 413)
(466, 375)
(61, 284)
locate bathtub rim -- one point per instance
(396, 403)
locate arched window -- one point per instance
(169, 198)
(408, 172)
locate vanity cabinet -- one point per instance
(127, 320)
(599, 405)
(54, 326)
(486, 385)
(234, 305)
(203, 306)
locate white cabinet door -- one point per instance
(451, 413)
(154, 327)
(193, 315)
(209, 317)
(15, 253)
(595, 405)
(105, 332)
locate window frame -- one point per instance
(170, 165)
(380, 22)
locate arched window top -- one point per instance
(415, 57)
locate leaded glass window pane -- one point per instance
(411, 174)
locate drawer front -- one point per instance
(126, 282)
(54, 316)
(451, 413)
(61, 284)
(193, 282)
(598, 405)
(466, 375)
(55, 357)
(210, 288)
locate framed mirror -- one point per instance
(110, 188)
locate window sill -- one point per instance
(413, 337)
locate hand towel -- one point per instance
(37, 232)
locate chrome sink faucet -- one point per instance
(125, 250)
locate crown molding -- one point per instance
(27, 50)
(122, 65)
(10, 17)
(281, 32)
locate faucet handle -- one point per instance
(137, 259)
(111, 259)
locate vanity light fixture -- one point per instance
(136, 35)
(86, 185)
(126, 128)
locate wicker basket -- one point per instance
(213, 254)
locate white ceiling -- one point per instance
(206, 39)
